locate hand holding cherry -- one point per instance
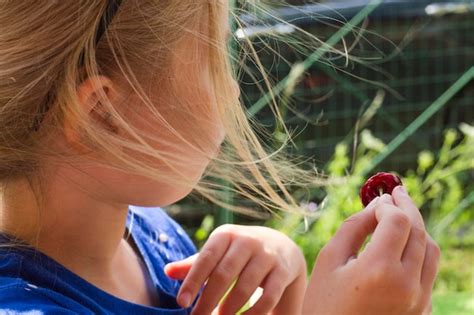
(393, 274)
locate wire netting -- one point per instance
(412, 54)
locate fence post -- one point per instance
(224, 216)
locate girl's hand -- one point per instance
(395, 272)
(250, 256)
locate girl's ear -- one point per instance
(91, 94)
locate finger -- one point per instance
(221, 278)
(250, 279)
(273, 289)
(430, 265)
(206, 261)
(402, 200)
(391, 234)
(350, 236)
(414, 253)
(292, 299)
(178, 270)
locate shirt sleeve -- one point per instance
(21, 300)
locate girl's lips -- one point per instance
(375, 186)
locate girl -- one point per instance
(107, 103)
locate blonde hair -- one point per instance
(48, 47)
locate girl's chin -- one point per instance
(161, 196)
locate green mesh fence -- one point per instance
(419, 52)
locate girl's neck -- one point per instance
(77, 230)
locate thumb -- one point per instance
(179, 269)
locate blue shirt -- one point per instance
(34, 284)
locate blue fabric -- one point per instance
(32, 283)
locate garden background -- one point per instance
(365, 86)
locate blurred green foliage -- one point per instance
(453, 303)
(202, 233)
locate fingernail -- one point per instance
(185, 299)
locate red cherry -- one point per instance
(380, 183)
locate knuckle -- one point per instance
(353, 218)
(406, 289)
(268, 256)
(224, 271)
(277, 289)
(242, 292)
(349, 223)
(434, 247)
(247, 242)
(269, 300)
(207, 255)
(225, 230)
(299, 255)
(219, 239)
(326, 251)
(400, 221)
(380, 275)
(419, 235)
(283, 271)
